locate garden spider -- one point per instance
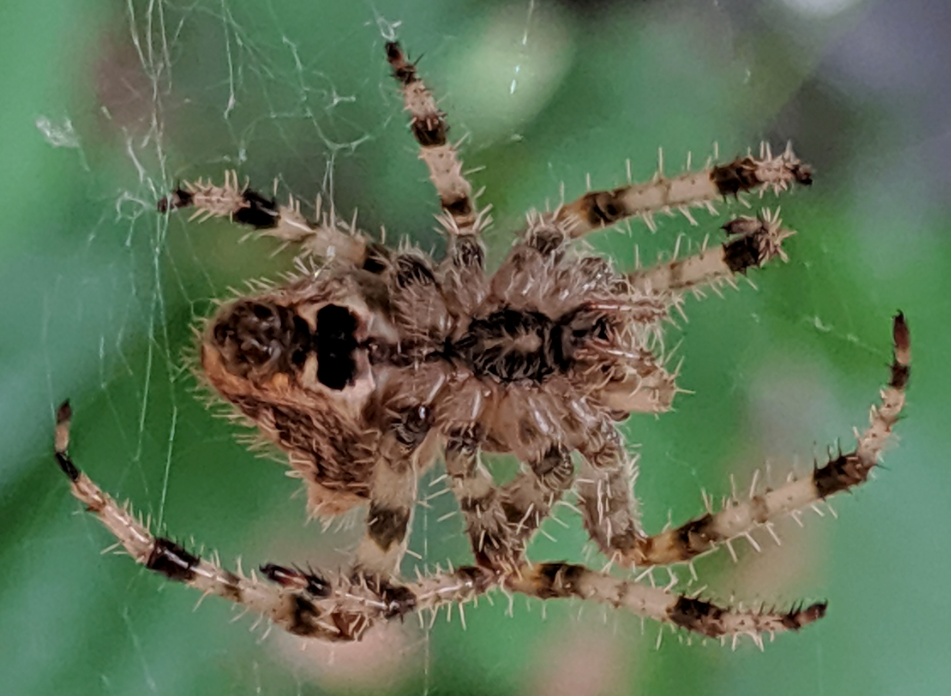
(371, 363)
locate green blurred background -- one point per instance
(108, 105)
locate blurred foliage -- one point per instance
(108, 107)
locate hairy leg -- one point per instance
(392, 495)
(325, 237)
(342, 608)
(610, 519)
(501, 521)
(598, 209)
(752, 243)
(430, 129)
(562, 580)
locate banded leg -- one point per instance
(501, 522)
(311, 608)
(326, 237)
(841, 473)
(529, 498)
(392, 495)
(605, 494)
(563, 580)
(340, 608)
(753, 242)
(598, 209)
(478, 496)
(462, 218)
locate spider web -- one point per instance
(298, 94)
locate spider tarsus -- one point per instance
(753, 241)
(802, 174)
(64, 415)
(403, 71)
(797, 617)
(180, 198)
(900, 367)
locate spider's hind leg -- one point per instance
(613, 527)
(309, 606)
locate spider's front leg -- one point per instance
(598, 209)
(752, 243)
(325, 237)
(616, 533)
(462, 219)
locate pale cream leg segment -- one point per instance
(598, 209)
(327, 237)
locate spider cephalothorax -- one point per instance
(370, 364)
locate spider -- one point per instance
(369, 364)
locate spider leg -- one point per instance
(605, 495)
(560, 580)
(564, 580)
(293, 611)
(392, 494)
(325, 237)
(842, 472)
(462, 219)
(598, 209)
(342, 608)
(753, 242)
(501, 522)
